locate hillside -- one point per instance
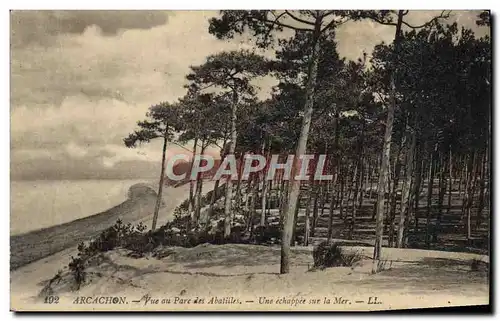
(32, 246)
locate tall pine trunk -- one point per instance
(368, 177)
(252, 212)
(430, 186)
(288, 219)
(192, 182)
(199, 189)
(392, 210)
(352, 185)
(317, 195)
(450, 181)
(229, 183)
(482, 190)
(393, 199)
(340, 197)
(336, 169)
(386, 154)
(237, 197)
(442, 192)
(308, 211)
(332, 204)
(418, 184)
(295, 219)
(358, 197)
(470, 195)
(213, 199)
(215, 193)
(162, 178)
(406, 188)
(265, 184)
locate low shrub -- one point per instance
(350, 259)
(181, 231)
(384, 265)
(479, 266)
(118, 235)
(48, 288)
(270, 234)
(328, 254)
(77, 268)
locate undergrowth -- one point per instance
(330, 254)
(181, 231)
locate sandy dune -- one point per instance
(32, 246)
(248, 274)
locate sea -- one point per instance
(44, 203)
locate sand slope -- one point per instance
(247, 274)
(32, 246)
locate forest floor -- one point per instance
(245, 277)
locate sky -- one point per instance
(80, 81)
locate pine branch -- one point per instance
(443, 15)
(281, 24)
(299, 19)
(382, 22)
(339, 23)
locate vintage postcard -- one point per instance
(260, 160)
